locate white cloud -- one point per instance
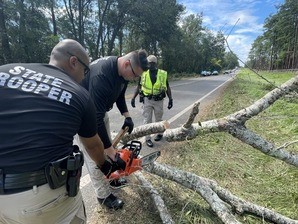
(222, 16)
(240, 45)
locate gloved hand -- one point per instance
(111, 166)
(108, 167)
(128, 123)
(170, 104)
(120, 163)
(133, 102)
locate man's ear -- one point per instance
(72, 62)
(126, 63)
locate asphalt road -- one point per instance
(185, 93)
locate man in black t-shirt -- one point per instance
(107, 83)
(42, 107)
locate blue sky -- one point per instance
(223, 14)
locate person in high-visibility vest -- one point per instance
(153, 87)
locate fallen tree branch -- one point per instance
(287, 144)
(232, 124)
(221, 201)
(197, 184)
(260, 105)
(192, 116)
(256, 141)
(144, 130)
(216, 196)
(241, 206)
(159, 203)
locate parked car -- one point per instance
(203, 73)
(215, 72)
(209, 73)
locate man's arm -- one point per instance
(94, 148)
(99, 93)
(88, 134)
(136, 93)
(169, 93)
(121, 104)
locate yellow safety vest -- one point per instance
(159, 86)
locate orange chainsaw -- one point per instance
(134, 162)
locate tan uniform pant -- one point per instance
(148, 108)
(99, 181)
(42, 205)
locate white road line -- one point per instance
(190, 106)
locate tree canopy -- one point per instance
(29, 29)
(277, 47)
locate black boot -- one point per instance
(111, 202)
(158, 137)
(149, 143)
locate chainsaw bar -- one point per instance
(150, 158)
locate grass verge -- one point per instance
(243, 170)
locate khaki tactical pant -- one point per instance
(148, 108)
(98, 179)
(42, 205)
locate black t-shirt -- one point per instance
(106, 87)
(153, 76)
(41, 109)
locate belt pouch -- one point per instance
(56, 173)
(74, 167)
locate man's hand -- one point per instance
(128, 123)
(107, 167)
(170, 104)
(120, 162)
(111, 152)
(133, 102)
(111, 166)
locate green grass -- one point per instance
(246, 172)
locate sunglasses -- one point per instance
(86, 67)
(132, 69)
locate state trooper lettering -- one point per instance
(29, 80)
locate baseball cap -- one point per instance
(152, 58)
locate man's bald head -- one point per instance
(60, 51)
(67, 54)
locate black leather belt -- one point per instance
(15, 183)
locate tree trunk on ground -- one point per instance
(221, 201)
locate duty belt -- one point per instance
(155, 97)
(14, 183)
